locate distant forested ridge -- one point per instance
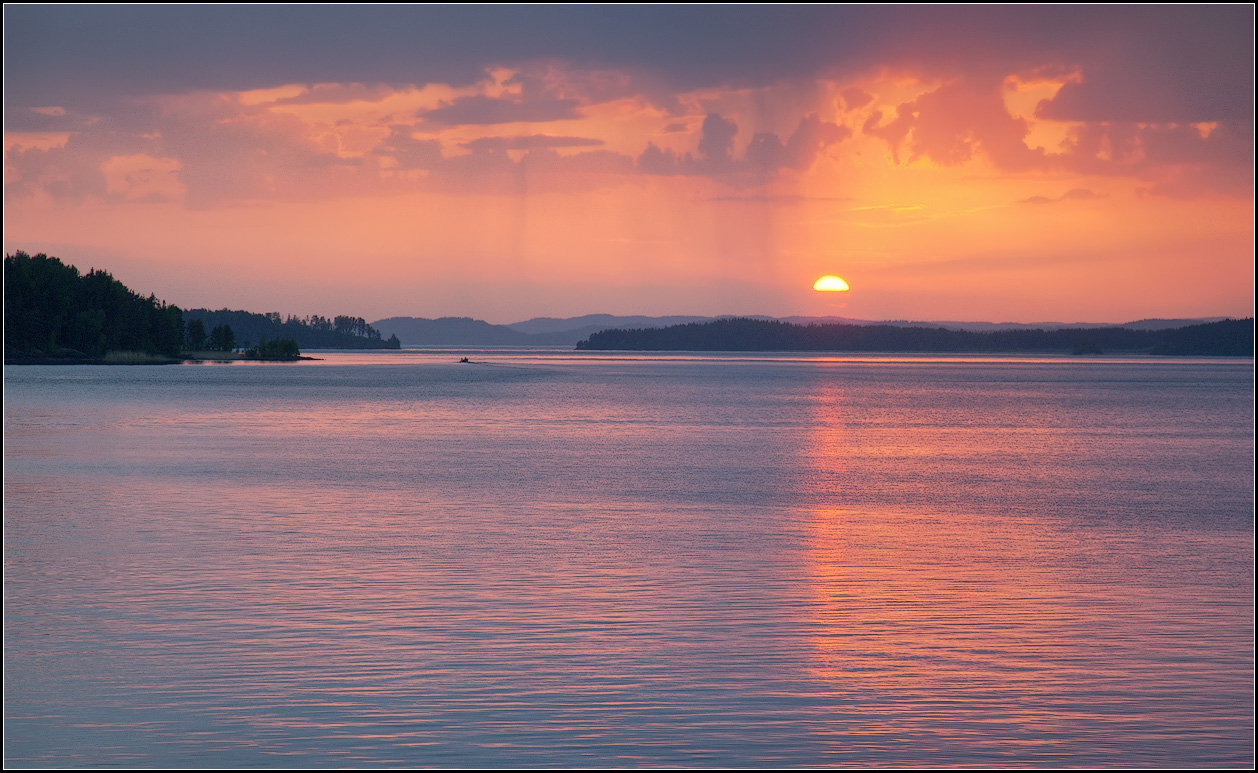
(1228, 338)
(53, 311)
(314, 332)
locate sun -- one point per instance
(830, 284)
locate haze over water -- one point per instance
(549, 559)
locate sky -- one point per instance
(1022, 164)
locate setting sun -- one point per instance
(830, 284)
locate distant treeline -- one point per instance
(314, 332)
(1228, 338)
(51, 310)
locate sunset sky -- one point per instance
(1011, 164)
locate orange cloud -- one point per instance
(954, 122)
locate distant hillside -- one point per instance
(1226, 338)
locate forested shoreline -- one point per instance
(1229, 338)
(53, 313)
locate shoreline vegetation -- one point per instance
(1227, 338)
(53, 315)
(131, 357)
(144, 358)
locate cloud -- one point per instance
(767, 154)
(61, 172)
(1074, 194)
(26, 119)
(622, 79)
(715, 149)
(854, 97)
(205, 148)
(716, 143)
(1165, 65)
(810, 139)
(338, 94)
(764, 156)
(778, 198)
(1184, 63)
(408, 152)
(1176, 158)
(143, 178)
(594, 162)
(95, 55)
(535, 141)
(481, 110)
(954, 122)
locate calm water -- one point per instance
(552, 559)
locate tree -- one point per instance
(194, 338)
(222, 339)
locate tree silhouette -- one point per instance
(194, 337)
(222, 339)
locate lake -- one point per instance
(551, 558)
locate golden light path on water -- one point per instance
(936, 621)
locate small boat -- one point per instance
(464, 359)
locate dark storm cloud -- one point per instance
(81, 53)
(1185, 64)
(1143, 63)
